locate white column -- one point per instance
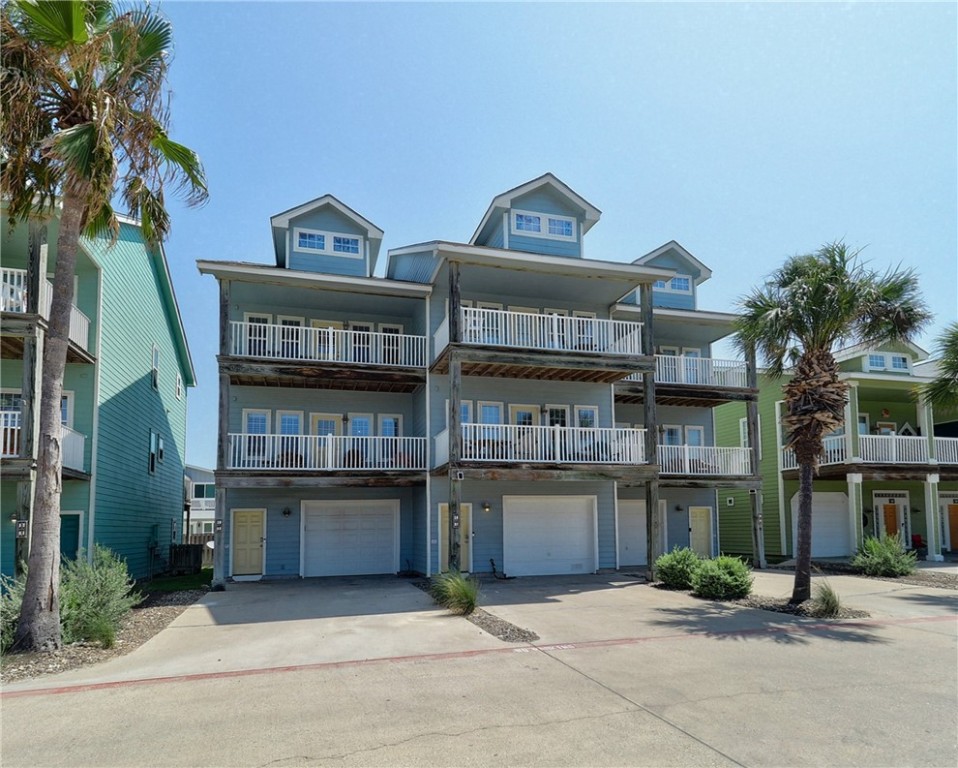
(933, 529)
(855, 508)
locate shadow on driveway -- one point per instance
(551, 589)
(716, 621)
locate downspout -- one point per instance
(95, 437)
(779, 479)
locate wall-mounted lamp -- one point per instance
(13, 517)
(486, 506)
(678, 507)
(345, 418)
(543, 410)
(287, 511)
(885, 413)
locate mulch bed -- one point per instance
(141, 624)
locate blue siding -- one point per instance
(327, 219)
(545, 200)
(283, 533)
(673, 300)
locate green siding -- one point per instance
(134, 506)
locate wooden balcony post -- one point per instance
(455, 302)
(225, 317)
(222, 443)
(219, 542)
(754, 442)
(36, 267)
(455, 446)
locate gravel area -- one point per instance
(781, 605)
(142, 623)
(508, 633)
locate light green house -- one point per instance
(124, 403)
(888, 473)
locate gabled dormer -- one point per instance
(678, 292)
(541, 216)
(325, 235)
(893, 358)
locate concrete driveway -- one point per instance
(300, 674)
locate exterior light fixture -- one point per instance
(486, 506)
(287, 511)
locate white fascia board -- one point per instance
(557, 265)
(180, 328)
(504, 201)
(281, 220)
(257, 273)
(704, 272)
(907, 382)
(717, 319)
(860, 350)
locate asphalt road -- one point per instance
(645, 678)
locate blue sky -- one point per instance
(747, 132)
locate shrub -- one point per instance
(11, 598)
(675, 569)
(458, 593)
(724, 578)
(825, 602)
(884, 557)
(94, 597)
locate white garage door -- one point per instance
(350, 538)
(633, 534)
(548, 535)
(831, 534)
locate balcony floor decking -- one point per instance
(541, 365)
(371, 478)
(264, 372)
(624, 474)
(874, 471)
(17, 327)
(684, 395)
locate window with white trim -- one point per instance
(587, 416)
(151, 466)
(678, 284)
(465, 412)
(159, 448)
(547, 225)
(878, 361)
(155, 367)
(316, 241)
(899, 363)
(179, 387)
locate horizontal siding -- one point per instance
(134, 507)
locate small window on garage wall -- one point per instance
(153, 451)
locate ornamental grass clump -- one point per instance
(884, 557)
(94, 597)
(826, 603)
(455, 592)
(676, 568)
(724, 578)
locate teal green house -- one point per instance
(124, 401)
(884, 471)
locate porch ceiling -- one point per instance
(523, 287)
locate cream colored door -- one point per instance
(465, 537)
(248, 542)
(700, 530)
(326, 339)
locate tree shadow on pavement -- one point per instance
(946, 601)
(720, 622)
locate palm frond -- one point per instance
(942, 391)
(57, 23)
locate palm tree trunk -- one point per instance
(802, 590)
(39, 625)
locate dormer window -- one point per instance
(311, 241)
(331, 243)
(678, 284)
(547, 225)
(878, 361)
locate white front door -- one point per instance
(633, 533)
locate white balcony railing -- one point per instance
(507, 443)
(10, 433)
(555, 333)
(833, 453)
(202, 505)
(946, 450)
(325, 452)
(328, 345)
(894, 449)
(704, 460)
(13, 298)
(73, 442)
(697, 371)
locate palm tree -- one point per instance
(942, 391)
(85, 118)
(805, 311)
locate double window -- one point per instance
(878, 361)
(678, 284)
(548, 225)
(332, 243)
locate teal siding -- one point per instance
(134, 507)
(70, 544)
(8, 541)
